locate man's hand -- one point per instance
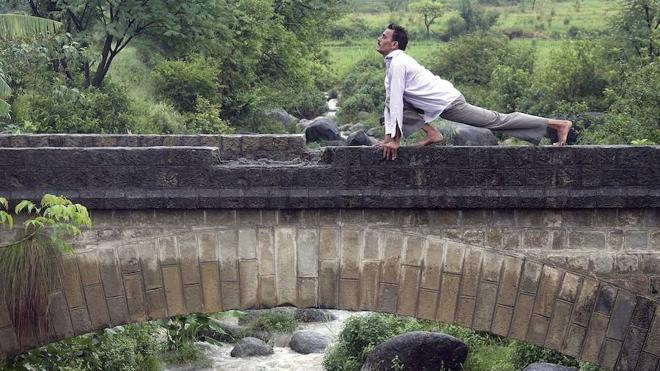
(390, 147)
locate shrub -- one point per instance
(160, 118)
(352, 106)
(525, 353)
(307, 104)
(206, 119)
(182, 82)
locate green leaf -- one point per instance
(5, 108)
(4, 202)
(5, 90)
(22, 205)
(14, 26)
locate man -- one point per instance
(415, 97)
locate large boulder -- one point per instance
(458, 134)
(249, 347)
(322, 129)
(359, 138)
(419, 351)
(280, 115)
(306, 342)
(542, 366)
(231, 331)
(314, 315)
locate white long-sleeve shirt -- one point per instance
(407, 79)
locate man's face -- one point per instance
(385, 43)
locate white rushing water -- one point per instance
(284, 358)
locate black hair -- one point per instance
(400, 35)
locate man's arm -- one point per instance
(394, 112)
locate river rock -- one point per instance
(231, 331)
(306, 342)
(359, 138)
(322, 129)
(314, 315)
(356, 127)
(465, 135)
(282, 116)
(302, 125)
(250, 346)
(418, 350)
(541, 366)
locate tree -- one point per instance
(14, 26)
(115, 23)
(637, 27)
(430, 9)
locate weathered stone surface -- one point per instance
(542, 366)
(250, 346)
(448, 298)
(306, 342)
(423, 351)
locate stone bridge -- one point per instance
(556, 246)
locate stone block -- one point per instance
(371, 245)
(453, 260)
(494, 238)
(511, 240)
(569, 287)
(636, 240)
(595, 337)
(248, 217)
(605, 300)
(653, 340)
(643, 313)
(307, 292)
(485, 306)
(471, 272)
(521, 316)
(60, 322)
(193, 297)
(328, 283)
(228, 240)
(428, 304)
(173, 290)
(586, 239)
(474, 237)
(621, 314)
(531, 276)
(211, 286)
(129, 259)
(654, 243)
(97, 306)
(118, 310)
(110, 275)
(610, 354)
(387, 297)
(167, 251)
(577, 217)
(80, 321)
(307, 243)
(538, 328)
(351, 244)
(9, 342)
(329, 243)
(392, 251)
(89, 268)
(267, 292)
(465, 311)
(266, 252)
(502, 320)
(529, 217)
(189, 259)
(285, 251)
(631, 350)
(492, 266)
(414, 249)
(558, 325)
(647, 362)
(448, 297)
(70, 282)
(585, 302)
(349, 294)
(537, 238)
(231, 295)
(408, 291)
(433, 264)
(629, 218)
(156, 303)
(249, 283)
(545, 299)
(369, 285)
(220, 217)
(247, 243)
(510, 280)
(351, 216)
(208, 247)
(574, 338)
(150, 265)
(135, 297)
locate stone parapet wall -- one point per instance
(341, 177)
(230, 259)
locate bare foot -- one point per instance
(562, 128)
(431, 137)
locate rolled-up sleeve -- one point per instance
(397, 83)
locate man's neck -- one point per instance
(392, 53)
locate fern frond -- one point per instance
(20, 25)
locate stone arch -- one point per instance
(353, 267)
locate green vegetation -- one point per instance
(361, 334)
